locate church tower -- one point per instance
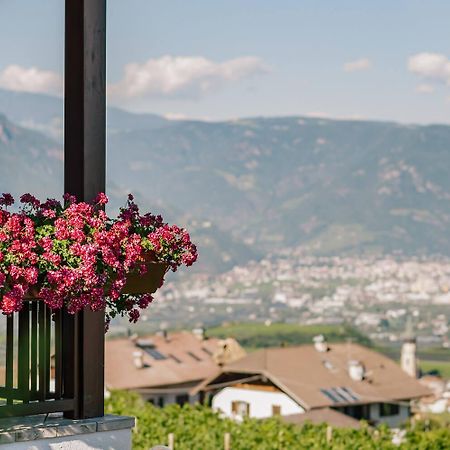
(408, 358)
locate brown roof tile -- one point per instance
(323, 415)
(189, 360)
(302, 372)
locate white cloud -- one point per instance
(182, 76)
(358, 64)
(430, 66)
(18, 78)
(425, 88)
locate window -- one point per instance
(161, 402)
(182, 399)
(357, 411)
(389, 409)
(240, 408)
(276, 410)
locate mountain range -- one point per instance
(254, 186)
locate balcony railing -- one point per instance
(33, 380)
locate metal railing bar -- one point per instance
(23, 353)
(17, 394)
(9, 380)
(58, 353)
(48, 331)
(32, 408)
(42, 351)
(34, 340)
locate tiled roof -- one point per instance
(323, 415)
(317, 380)
(182, 358)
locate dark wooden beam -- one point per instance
(84, 177)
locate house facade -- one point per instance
(259, 401)
(348, 379)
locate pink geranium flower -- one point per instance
(77, 257)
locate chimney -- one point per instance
(138, 359)
(320, 343)
(408, 358)
(199, 333)
(163, 333)
(356, 370)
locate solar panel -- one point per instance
(330, 395)
(155, 354)
(351, 394)
(343, 394)
(340, 395)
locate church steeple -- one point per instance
(408, 358)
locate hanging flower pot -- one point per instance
(148, 282)
(73, 255)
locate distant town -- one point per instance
(378, 296)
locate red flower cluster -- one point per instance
(74, 255)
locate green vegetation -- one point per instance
(442, 367)
(430, 360)
(427, 354)
(253, 336)
(199, 428)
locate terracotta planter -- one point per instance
(147, 283)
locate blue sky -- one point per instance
(220, 59)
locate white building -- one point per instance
(347, 378)
(439, 401)
(254, 401)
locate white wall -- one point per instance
(391, 421)
(105, 440)
(440, 406)
(260, 402)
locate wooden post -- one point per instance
(280, 439)
(171, 439)
(329, 434)
(227, 441)
(84, 177)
